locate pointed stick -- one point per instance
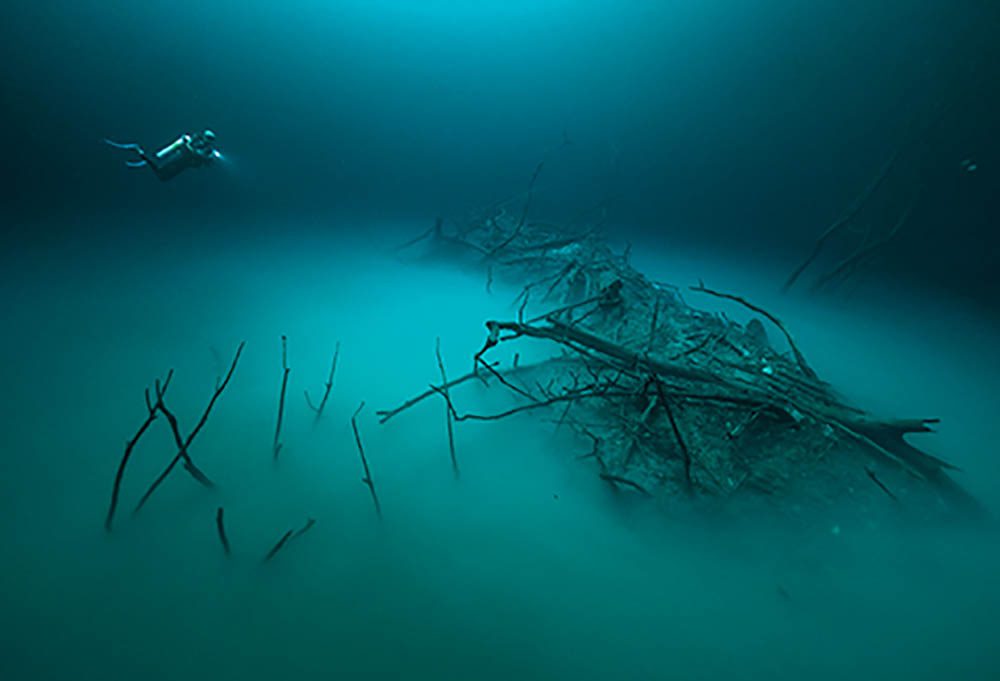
(221, 527)
(447, 412)
(287, 537)
(281, 401)
(524, 213)
(386, 414)
(881, 485)
(328, 386)
(190, 438)
(277, 547)
(685, 452)
(305, 528)
(843, 221)
(182, 448)
(129, 446)
(364, 461)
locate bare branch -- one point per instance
(367, 480)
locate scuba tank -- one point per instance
(174, 158)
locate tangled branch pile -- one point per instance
(676, 403)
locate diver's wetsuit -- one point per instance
(187, 151)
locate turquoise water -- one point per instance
(526, 567)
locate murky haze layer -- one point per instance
(526, 567)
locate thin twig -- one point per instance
(499, 377)
(799, 357)
(310, 522)
(281, 401)
(435, 231)
(129, 446)
(843, 221)
(287, 538)
(386, 414)
(190, 438)
(447, 412)
(182, 447)
(364, 461)
(327, 386)
(615, 480)
(278, 546)
(653, 326)
(847, 266)
(685, 452)
(881, 485)
(524, 212)
(221, 527)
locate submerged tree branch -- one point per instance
(276, 447)
(367, 480)
(182, 451)
(327, 387)
(799, 357)
(129, 446)
(447, 412)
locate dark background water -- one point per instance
(745, 124)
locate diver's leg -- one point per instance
(145, 160)
(148, 160)
(119, 145)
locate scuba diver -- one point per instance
(187, 151)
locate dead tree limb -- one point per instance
(182, 447)
(386, 414)
(367, 480)
(278, 546)
(220, 386)
(220, 526)
(327, 386)
(524, 212)
(615, 480)
(129, 447)
(843, 221)
(881, 485)
(287, 538)
(863, 253)
(436, 231)
(281, 400)
(539, 404)
(799, 357)
(504, 381)
(685, 452)
(310, 522)
(447, 412)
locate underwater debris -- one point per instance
(220, 527)
(881, 485)
(327, 387)
(287, 538)
(680, 403)
(185, 444)
(278, 546)
(367, 480)
(447, 411)
(281, 400)
(152, 411)
(182, 445)
(843, 223)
